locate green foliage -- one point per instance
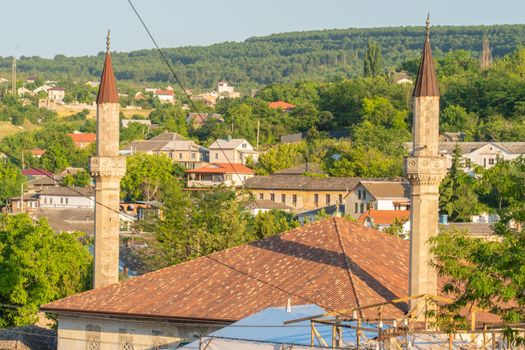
(396, 228)
(11, 179)
(38, 266)
(171, 118)
(281, 157)
(273, 222)
(146, 175)
(79, 179)
(373, 61)
(134, 131)
(455, 118)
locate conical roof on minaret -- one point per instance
(107, 92)
(426, 82)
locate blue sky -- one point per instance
(76, 27)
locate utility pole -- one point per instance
(258, 132)
(13, 76)
(22, 188)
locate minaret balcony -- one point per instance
(425, 170)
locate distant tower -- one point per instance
(13, 76)
(107, 167)
(424, 169)
(485, 60)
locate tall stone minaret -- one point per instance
(425, 169)
(485, 61)
(107, 167)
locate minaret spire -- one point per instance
(426, 82)
(107, 92)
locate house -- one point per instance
(33, 172)
(226, 91)
(232, 151)
(198, 119)
(401, 78)
(56, 94)
(483, 154)
(382, 219)
(126, 122)
(451, 137)
(284, 106)
(43, 88)
(83, 140)
(3, 80)
(185, 301)
(37, 152)
(378, 195)
(265, 205)
(217, 174)
(30, 202)
(164, 95)
(301, 192)
(174, 146)
(208, 99)
(64, 197)
(24, 91)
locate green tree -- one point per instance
(457, 196)
(11, 179)
(273, 222)
(373, 61)
(38, 266)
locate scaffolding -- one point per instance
(410, 332)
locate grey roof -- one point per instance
(67, 219)
(472, 228)
(268, 204)
(157, 146)
(65, 191)
(301, 183)
(387, 189)
(168, 136)
(226, 144)
(469, 147)
(310, 168)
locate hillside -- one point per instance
(325, 55)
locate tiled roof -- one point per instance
(107, 91)
(87, 137)
(36, 172)
(168, 136)
(281, 105)
(469, 147)
(472, 228)
(387, 189)
(223, 168)
(301, 183)
(65, 191)
(306, 264)
(268, 204)
(384, 217)
(226, 143)
(164, 92)
(38, 152)
(311, 168)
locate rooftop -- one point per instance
(66, 191)
(469, 147)
(281, 105)
(86, 137)
(302, 183)
(107, 91)
(310, 168)
(226, 143)
(384, 217)
(387, 189)
(222, 168)
(307, 264)
(36, 172)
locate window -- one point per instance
(340, 199)
(283, 198)
(327, 199)
(92, 337)
(294, 199)
(50, 200)
(356, 208)
(364, 194)
(45, 200)
(216, 155)
(61, 200)
(192, 155)
(272, 197)
(316, 200)
(67, 200)
(358, 194)
(484, 162)
(362, 207)
(467, 162)
(244, 145)
(180, 155)
(125, 340)
(261, 196)
(171, 154)
(491, 161)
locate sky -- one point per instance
(78, 27)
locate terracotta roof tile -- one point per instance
(384, 217)
(306, 262)
(281, 105)
(86, 137)
(107, 91)
(223, 168)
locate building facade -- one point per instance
(232, 151)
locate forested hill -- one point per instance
(312, 55)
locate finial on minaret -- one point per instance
(428, 25)
(108, 41)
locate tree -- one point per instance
(373, 61)
(11, 179)
(38, 266)
(273, 222)
(457, 196)
(145, 176)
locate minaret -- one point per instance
(485, 60)
(425, 169)
(107, 167)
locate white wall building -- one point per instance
(63, 197)
(232, 151)
(378, 195)
(216, 174)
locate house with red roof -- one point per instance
(382, 219)
(83, 140)
(216, 174)
(164, 95)
(284, 106)
(37, 152)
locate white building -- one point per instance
(378, 195)
(232, 151)
(483, 154)
(217, 174)
(56, 93)
(226, 91)
(63, 197)
(164, 95)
